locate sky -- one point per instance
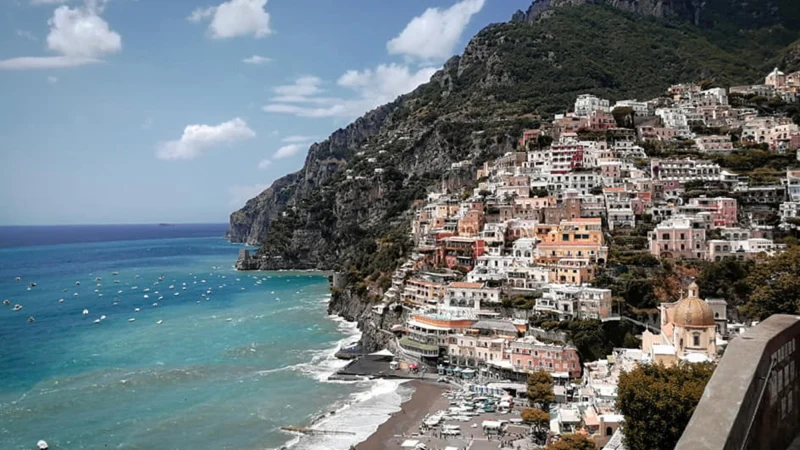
(179, 111)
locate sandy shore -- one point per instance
(427, 398)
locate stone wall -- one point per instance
(751, 401)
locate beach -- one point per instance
(427, 398)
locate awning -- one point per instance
(383, 352)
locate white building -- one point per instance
(586, 104)
(684, 170)
(469, 295)
(569, 301)
(674, 118)
(642, 109)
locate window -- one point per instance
(609, 431)
(696, 340)
(665, 236)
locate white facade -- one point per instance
(684, 170)
(586, 104)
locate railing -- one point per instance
(752, 401)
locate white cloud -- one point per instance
(257, 60)
(241, 194)
(304, 86)
(264, 164)
(298, 139)
(78, 35)
(287, 151)
(434, 34)
(198, 138)
(371, 88)
(47, 2)
(52, 80)
(27, 35)
(235, 18)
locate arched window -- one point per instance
(696, 340)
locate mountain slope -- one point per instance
(332, 211)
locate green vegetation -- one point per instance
(654, 397)
(775, 286)
(538, 420)
(592, 338)
(572, 442)
(540, 389)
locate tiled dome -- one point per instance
(692, 311)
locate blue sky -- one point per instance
(145, 111)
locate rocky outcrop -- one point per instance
(688, 10)
(375, 326)
(249, 224)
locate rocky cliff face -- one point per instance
(688, 10)
(358, 183)
(356, 187)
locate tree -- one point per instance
(539, 420)
(657, 402)
(540, 389)
(572, 442)
(623, 115)
(775, 286)
(535, 417)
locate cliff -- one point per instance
(347, 209)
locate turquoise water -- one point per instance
(236, 355)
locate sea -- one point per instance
(146, 337)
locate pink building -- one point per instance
(680, 237)
(529, 355)
(657, 133)
(724, 211)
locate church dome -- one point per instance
(692, 311)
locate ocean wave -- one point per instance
(361, 415)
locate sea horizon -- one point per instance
(214, 358)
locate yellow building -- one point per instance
(688, 331)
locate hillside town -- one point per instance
(497, 267)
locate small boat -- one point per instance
(31, 319)
(96, 320)
(136, 310)
(183, 288)
(146, 296)
(116, 281)
(134, 287)
(99, 295)
(98, 279)
(115, 273)
(119, 292)
(228, 319)
(77, 283)
(75, 294)
(159, 322)
(136, 276)
(6, 302)
(155, 305)
(18, 279)
(32, 285)
(131, 320)
(61, 300)
(17, 307)
(42, 445)
(161, 297)
(103, 317)
(146, 289)
(177, 294)
(172, 286)
(85, 312)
